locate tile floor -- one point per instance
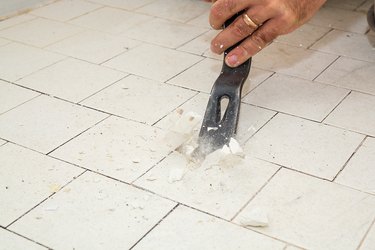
(90, 91)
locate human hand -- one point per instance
(261, 22)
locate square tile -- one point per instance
(200, 44)
(303, 145)
(27, 178)
(139, 99)
(93, 46)
(369, 242)
(90, 208)
(65, 10)
(118, 148)
(296, 96)
(202, 76)
(153, 62)
(165, 33)
(356, 113)
(313, 213)
(44, 123)
(40, 32)
(11, 96)
(341, 19)
(15, 20)
(359, 173)
(251, 118)
(305, 36)
(348, 44)
(128, 4)
(195, 231)
(351, 74)
(12, 241)
(17, 60)
(221, 191)
(293, 61)
(177, 10)
(71, 79)
(110, 20)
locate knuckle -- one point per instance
(230, 5)
(240, 30)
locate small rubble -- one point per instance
(175, 174)
(256, 217)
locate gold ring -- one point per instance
(249, 22)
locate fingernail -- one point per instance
(232, 60)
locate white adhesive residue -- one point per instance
(256, 217)
(235, 147)
(175, 174)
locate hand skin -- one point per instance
(277, 17)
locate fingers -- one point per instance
(253, 44)
(239, 29)
(222, 10)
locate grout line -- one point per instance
(328, 66)
(158, 223)
(248, 139)
(77, 135)
(349, 159)
(366, 234)
(29, 239)
(28, 211)
(31, 99)
(334, 108)
(320, 38)
(253, 197)
(106, 87)
(171, 112)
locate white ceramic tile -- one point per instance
(356, 112)
(353, 45)
(12, 241)
(202, 76)
(4, 41)
(40, 32)
(201, 231)
(2, 142)
(12, 96)
(304, 36)
(93, 46)
(201, 21)
(221, 191)
(110, 20)
(118, 148)
(344, 4)
(139, 99)
(153, 62)
(165, 33)
(27, 178)
(178, 10)
(71, 79)
(341, 19)
(128, 4)
(251, 118)
(359, 173)
(44, 123)
(200, 44)
(350, 73)
(94, 212)
(369, 242)
(17, 60)
(65, 10)
(293, 61)
(303, 145)
(15, 20)
(313, 213)
(296, 96)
